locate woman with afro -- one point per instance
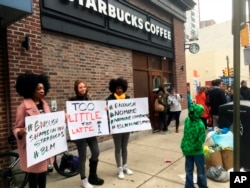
(33, 88)
(118, 87)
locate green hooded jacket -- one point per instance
(194, 132)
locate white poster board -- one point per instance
(46, 136)
(128, 115)
(86, 119)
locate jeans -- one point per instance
(199, 161)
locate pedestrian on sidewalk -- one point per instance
(118, 87)
(216, 97)
(192, 147)
(174, 100)
(162, 96)
(33, 88)
(201, 99)
(81, 91)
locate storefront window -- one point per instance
(155, 63)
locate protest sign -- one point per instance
(46, 136)
(86, 119)
(128, 115)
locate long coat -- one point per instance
(28, 108)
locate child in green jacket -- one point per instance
(192, 146)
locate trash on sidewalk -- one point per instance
(168, 160)
(218, 150)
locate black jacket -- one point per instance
(216, 97)
(245, 93)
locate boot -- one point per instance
(177, 128)
(93, 178)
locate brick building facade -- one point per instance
(66, 57)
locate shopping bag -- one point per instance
(158, 107)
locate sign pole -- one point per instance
(238, 22)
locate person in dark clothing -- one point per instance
(216, 97)
(81, 91)
(244, 91)
(162, 99)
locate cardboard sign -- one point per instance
(46, 136)
(128, 115)
(86, 119)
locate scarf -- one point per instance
(122, 96)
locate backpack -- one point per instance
(69, 162)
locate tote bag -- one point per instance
(158, 107)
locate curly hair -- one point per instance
(114, 83)
(26, 84)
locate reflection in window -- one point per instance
(156, 81)
(155, 63)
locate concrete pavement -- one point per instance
(147, 152)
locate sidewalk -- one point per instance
(146, 157)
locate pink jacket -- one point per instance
(28, 108)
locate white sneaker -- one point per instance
(120, 173)
(127, 170)
(86, 184)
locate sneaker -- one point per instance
(86, 184)
(120, 173)
(127, 170)
(50, 168)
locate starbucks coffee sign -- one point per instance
(121, 15)
(112, 22)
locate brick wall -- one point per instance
(67, 59)
(19, 59)
(179, 60)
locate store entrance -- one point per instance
(149, 73)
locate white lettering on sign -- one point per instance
(110, 10)
(240, 179)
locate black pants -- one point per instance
(163, 121)
(37, 180)
(176, 115)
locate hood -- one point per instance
(195, 111)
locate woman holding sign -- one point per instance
(81, 91)
(118, 87)
(32, 88)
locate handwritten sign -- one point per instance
(128, 115)
(46, 136)
(86, 119)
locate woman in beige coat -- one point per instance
(32, 88)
